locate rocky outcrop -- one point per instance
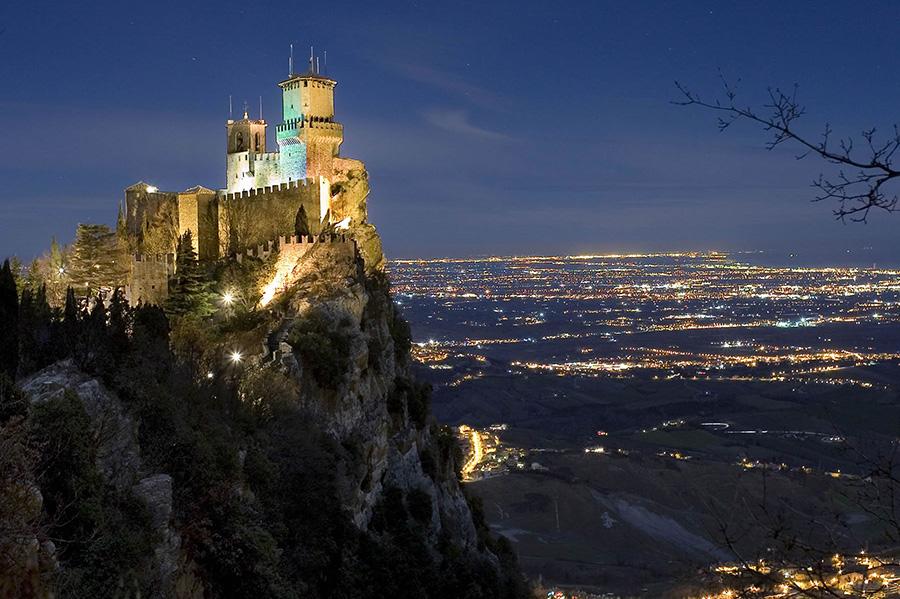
(349, 295)
(156, 493)
(386, 447)
(349, 204)
(118, 460)
(25, 555)
(118, 454)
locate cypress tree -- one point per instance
(27, 343)
(301, 222)
(71, 329)
(189, 293)
(119, 324)
(57, 273)
(94, 352)
(97, 260)
(47, 330)
(9, 322)
(16, 268)
(36, 343)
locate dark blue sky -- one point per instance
(487, 127)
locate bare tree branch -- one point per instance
(863, 172)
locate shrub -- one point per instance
(449, 448)
(416, 397)
(401, 334)
(70, 481)
(375, 348)
(418, 400)
(104, 536)
(12, 401)
(396, 400)
(323, 347)
(418, 502)
(429, 464)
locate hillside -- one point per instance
(221, 449)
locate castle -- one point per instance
(298, 189)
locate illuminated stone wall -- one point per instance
(293, 159)
(245, 135)
(197, 213)
(260, 215)
(245, 147)
(249, 170)
(307, 95)
(142, 203)
(323, 142)
(308, 137)
(295, 254)
(148, 281)
(292, 255)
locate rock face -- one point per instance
(156, 493)
(351, 185)
(356, 411)
(369, 404)
(118, 458)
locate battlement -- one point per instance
(249, 193)
(297, 246)
(292, 258)
(314, 122)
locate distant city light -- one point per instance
(209, 375)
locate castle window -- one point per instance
(256, 141)
(304, 83)
(239, 142)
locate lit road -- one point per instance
(476, 453)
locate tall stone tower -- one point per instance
(246, 145)
(308, 138)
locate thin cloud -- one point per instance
(457, 121)
(448, 82)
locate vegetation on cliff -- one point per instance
(259, 479)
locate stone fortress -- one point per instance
(304, 187)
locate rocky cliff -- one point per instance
(308, 467)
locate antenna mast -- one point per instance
(260, 108)
(291, 62)
(325, 61)
(230, 113)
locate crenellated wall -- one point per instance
(251, 170)
(291, 254)
(292, 248)
(148, 281)
(249, 218)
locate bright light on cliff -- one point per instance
(235, 357)
(228, 298)
(268, 292)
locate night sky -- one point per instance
(524, 127)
